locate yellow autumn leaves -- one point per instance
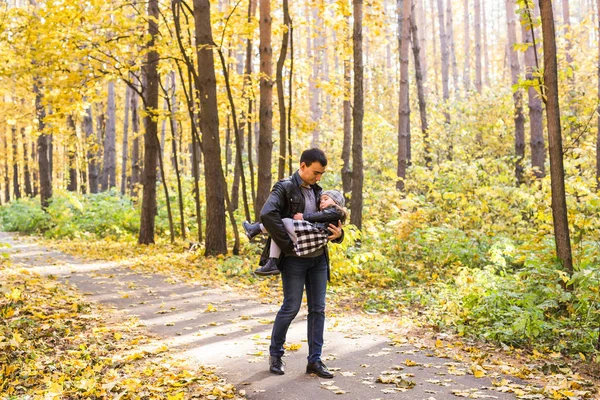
(53, 345)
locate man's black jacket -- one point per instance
(285, 200)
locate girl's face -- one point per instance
(326, 201)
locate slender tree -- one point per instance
(265, 140)
(91, 144)
(246, 115)
(15, 157)
(347, 113)
(26, 160)
(71, 154)
(136, 165)
(109, 164)
(536, 125)
(598, 133)
(404, 10)
(477, 27)
(450, 41)
(557, 172)
(567, 31)
(467, 47)
(209, 126)
(125, 147)
(444, 51)
(420, 87)
(6, 170)
(517, 93)
(151, 145)
(486, 58)
(44, 146)
(357, 118)
(280, 94)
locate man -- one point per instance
(299, 194)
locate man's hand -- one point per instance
(299, 216)
(336, 231)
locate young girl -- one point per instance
(308, 231)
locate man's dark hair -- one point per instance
(311, 155)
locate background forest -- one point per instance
(154, 121)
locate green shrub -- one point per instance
(24, 215)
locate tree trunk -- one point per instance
(435, 55)
(35, 175)
(109, 165)
(72, 151)
(280, 93)
(598, 133)
(125, 148)
(517, 93)
(477, 24)
(172, 109)
(44, 145)
(420, 9)
(91, 144)
(136, 167)
(467, 48)
(450, 41)
(216, 242)
(557, 173)
(291, 100)
(238, 150)
(486, 59)
(313, 52)
(6, 170)
(536, 125)
(357, 117)
(246, 115)
(444, 51)
(420, 88)
(16, 187)
(567, 29)
(347, 110)
(26, 159)
(265, 140)
(404, 11)
(151, 145)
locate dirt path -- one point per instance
(230, 330)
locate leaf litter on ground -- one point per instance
(55, 345)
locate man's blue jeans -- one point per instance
(296, 273)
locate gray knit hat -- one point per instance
(336, 196)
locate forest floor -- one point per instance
(226, 328)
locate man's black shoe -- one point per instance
(252, 230)
(270, 268)
(276, 365)
(319, 369)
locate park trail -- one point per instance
(230, 330)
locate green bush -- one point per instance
(70, 215)
(24, 215)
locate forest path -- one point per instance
(229, 329)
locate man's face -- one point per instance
(312, 173)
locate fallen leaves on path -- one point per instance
(55, 345)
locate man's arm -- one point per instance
(270, 216)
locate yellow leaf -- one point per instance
(178, 396)
(293, 346)
(210, 308)
(582, 356)
(410, 363)
(438, 343)
(17, 338)
(15, 294)
(118, 335)
(477, 371)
